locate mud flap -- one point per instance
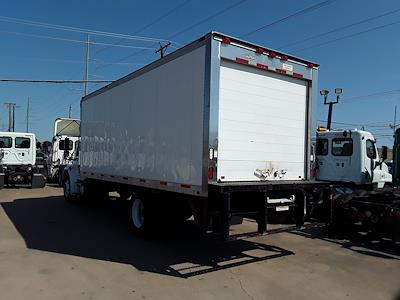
(38, 181)
(2, 177)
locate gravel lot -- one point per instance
(50, 249)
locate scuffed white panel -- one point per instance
(149, 127)
(262, 118)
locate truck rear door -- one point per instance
(262, 125)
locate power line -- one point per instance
(158, 19)
(92, 61)
(372, 95)
(224, 10)
(347, 36)
(54, 81)
(74, 41)
(340, 28)
(291, 16)
(79, 30)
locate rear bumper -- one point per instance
(265, 186)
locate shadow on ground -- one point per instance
(361, 242)
(102, 232)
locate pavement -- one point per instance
(51, 249)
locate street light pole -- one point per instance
(325, 93)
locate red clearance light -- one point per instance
(261, 66)
(284, 57)
(297, 75)
(280, 71)
(186, 186)
(210, 173)
(163, 183)
(201, 39)
(271, 54)
(241, 60)
(310, 65)
(260, 50)
(226, 40)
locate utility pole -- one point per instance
(394, 121)
(27, 115)
(13, 118)
(69, 111)
(162, 49)
(87, 64)
(11, 115)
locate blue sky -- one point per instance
(365, 65)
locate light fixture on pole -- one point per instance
(325, 93)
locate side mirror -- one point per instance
(384, 153)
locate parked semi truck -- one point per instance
(63, 152)
(363, 192)
(18, 160)
(218, 128)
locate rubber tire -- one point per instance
(67, 190)
(138, 219)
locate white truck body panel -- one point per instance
(262, 124)
(200, 116)
(151, 127)
(18, 155)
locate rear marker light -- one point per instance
(186, 186)
(310, 65)
(271, 54)
(284, 57)
(297, 75)
(226, 40)
(210, 173)
(201, 39)
(242, 61)
(261, 66)
(222, 177)
(260, 50)
(163, 182)
(142, 180)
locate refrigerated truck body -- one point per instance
(222, 123)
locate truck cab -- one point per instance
(65, 141)
(350, 156)
(18, 159)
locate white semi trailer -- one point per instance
(218, 128)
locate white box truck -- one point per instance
(221, 126)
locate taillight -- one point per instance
(314, 172)
(210, 173)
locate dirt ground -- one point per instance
(50, 249)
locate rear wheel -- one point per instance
(67, 189)
(138, 216)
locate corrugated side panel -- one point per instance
(150, 127)
(262, 121)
